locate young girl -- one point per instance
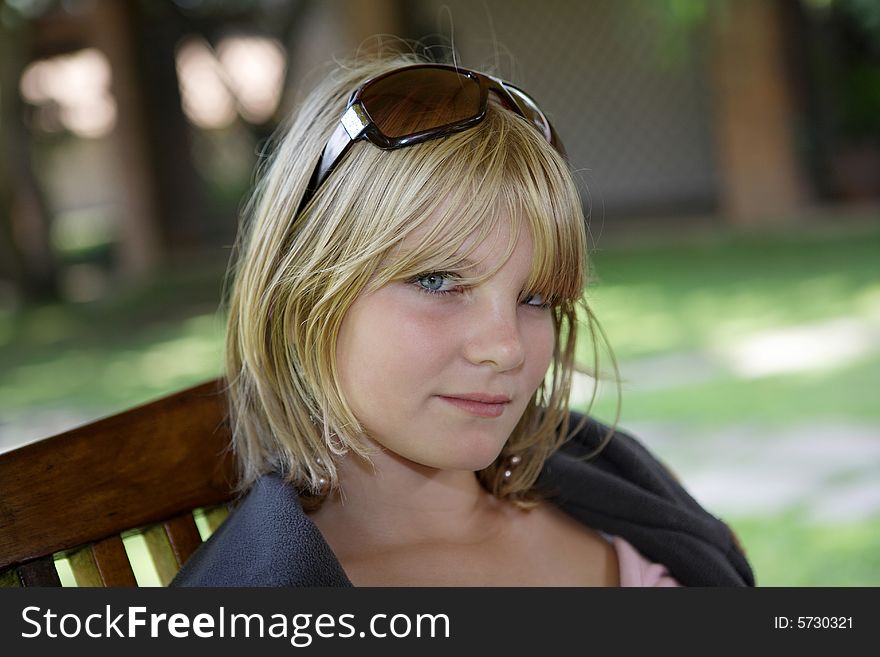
(401, 338)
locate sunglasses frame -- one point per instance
(356, 123)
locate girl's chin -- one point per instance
(468, 453)
(471, 462)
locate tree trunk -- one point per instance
(110, 29)
(25, 247)
(762, 183)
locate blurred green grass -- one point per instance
(706, 298)
(103, 356)
(789, 550)
(774, 402)
(661, 299)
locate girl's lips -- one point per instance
(481, 409)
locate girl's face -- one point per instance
(404, 350)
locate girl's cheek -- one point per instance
(412, 306)
(542, 338)
(415, 324)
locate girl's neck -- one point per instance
(402, 503)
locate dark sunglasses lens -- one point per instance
(414, 100)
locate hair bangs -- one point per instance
(539, 191)
(441, 199)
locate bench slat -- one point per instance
(112, 562)
(85, 570)
(40, 572)
(161, 553)
(183, 535)
(171, 543)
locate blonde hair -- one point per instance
(296, 275)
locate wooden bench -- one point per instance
(145, 470)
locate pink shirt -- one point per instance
(635, 570)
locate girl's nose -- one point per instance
(496, 340)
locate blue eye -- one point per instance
(438, 283)
(433, 282)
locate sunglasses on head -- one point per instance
(416, 103)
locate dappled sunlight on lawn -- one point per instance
(167, 363)
(648, 319)
(803, 348)
(192, 354)
(867, 301)
(660, 299)
(76, 385)
(715, 399)
(712, 334)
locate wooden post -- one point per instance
(109, 29)
(761, 180)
